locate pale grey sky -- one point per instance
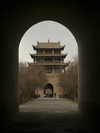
(42, 32)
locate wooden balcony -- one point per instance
(49, 64)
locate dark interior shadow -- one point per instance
(49, 122)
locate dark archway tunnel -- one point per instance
(47, 88)
(80, 17)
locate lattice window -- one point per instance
(48, 71)
(48, 51)
(39, 51)
(57, 51)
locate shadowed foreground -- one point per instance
(49, 116)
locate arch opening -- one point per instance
(59, 35)
(48, 90)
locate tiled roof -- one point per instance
(55, 45)
(47, 55)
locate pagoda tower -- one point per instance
(48, 54)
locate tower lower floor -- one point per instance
(52, 88)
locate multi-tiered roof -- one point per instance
(48, 53)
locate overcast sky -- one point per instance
(42, 32)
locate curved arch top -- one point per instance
(49, 88)
(23, 17)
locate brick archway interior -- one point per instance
(81, 18)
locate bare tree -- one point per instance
(69, 80)
(29, 79)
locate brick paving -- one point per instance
(49, 115)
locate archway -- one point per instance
(48, 90)
(81, 18)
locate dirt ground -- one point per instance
(49, 115)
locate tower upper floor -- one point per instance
(48, 47)
(48, 54)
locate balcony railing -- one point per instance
(49, 63)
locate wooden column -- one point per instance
(53, 69)
(44, 60)
(35, 60)
(53, 60)
(43, 51)
(52, 51)
(64, 69)
(61, 60)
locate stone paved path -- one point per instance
(49, 116)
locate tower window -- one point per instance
(57, 51)
(39, 51)
(48, 51)
(48, 71)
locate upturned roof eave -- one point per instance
(44, 55)
(36, 47)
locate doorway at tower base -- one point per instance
(48, 90)
(41, 93)
(48, 93)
